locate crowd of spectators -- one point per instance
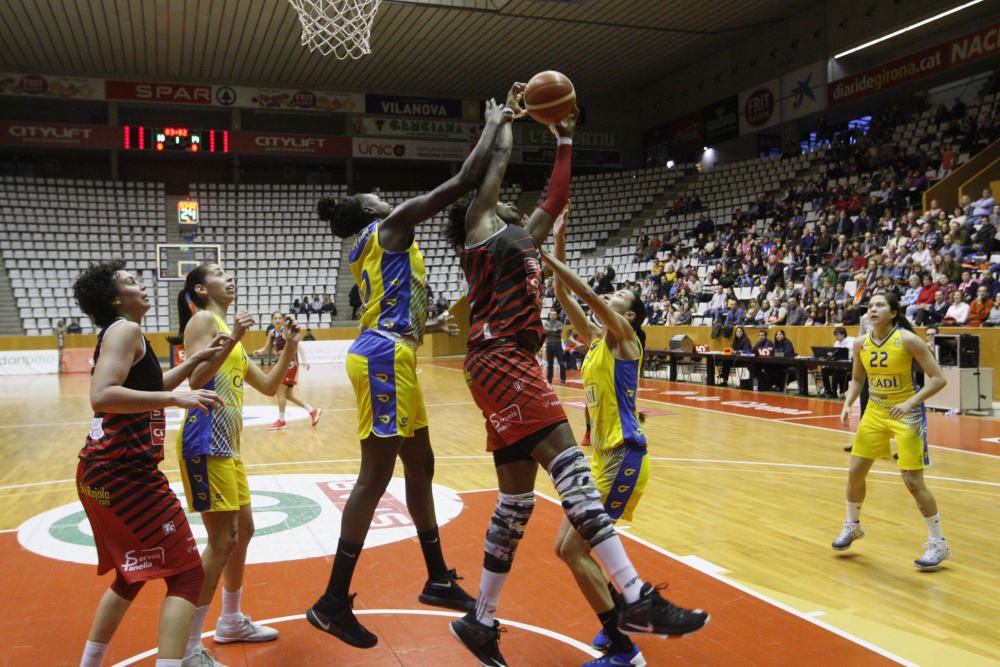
(814, 253)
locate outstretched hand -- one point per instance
(243, 322)
(567, 126)
(495, 113)
(559, 226)
(291, 332)
(514, 98)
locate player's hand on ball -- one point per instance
(567, 126)
(514, 98)
(202, 400)
(243, 323)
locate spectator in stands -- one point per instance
(994, 319)
(982, 208)
(979, 309)
(753, 315)
(296, 307)
(317, 305)
(681, 316)
(641, 245)
(74, 326)
(958, 312)
(992, 285)
(850, 315)
(574, 349)
(717, 304)
(329, 306)
(795, 315)
(968, 287)
(776, 313)
(354, 299)
(986, 240)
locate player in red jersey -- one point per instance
(525, 422)
(139, 526)
(286, 392)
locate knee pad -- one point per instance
(580, 500)
(506, 529)
(124, 589)
(187, 584)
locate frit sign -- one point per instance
(759, 107)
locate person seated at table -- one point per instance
(762, 348)
(740, 345)
(835, 379)
(779, 372)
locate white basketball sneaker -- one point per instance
(937, 551)
(850, 532)
(201, 658)
(243, 630)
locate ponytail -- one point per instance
(188, 302)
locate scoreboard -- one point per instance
(175, 139)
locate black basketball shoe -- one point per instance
(482, 641)
(446, 592)
(655, 615)
(337, 619)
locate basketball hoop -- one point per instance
(340, 27)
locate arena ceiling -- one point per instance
(471, 48)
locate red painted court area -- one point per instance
(745, 630)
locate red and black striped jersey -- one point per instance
(505, 288)
(137, 436)
(277, 340)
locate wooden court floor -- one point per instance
(745, 497)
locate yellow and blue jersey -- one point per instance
(393, 286)
(218, 432)
(890, 368)
(611, 386)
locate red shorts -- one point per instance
(507, 384)
(140, 528)
(292, 374)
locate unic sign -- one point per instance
(916, 66)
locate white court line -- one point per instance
(818, 467)
(791, 419)
(760, 596)
(545, 632)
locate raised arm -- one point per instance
(119, 349)
(585, 330)
(201, 330)
(268, 383)
(412, 212)
(540, 223)
(615, 326)
(480, 221)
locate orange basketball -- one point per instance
(549, 97)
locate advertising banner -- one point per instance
(722, 120)
(326, 351)
(29, 362)
(389, 149)
(429, 128)
(64, 87)
(759, 107)
(293, 100)
(687, 135)
(803, 91)
(276, 143)
(582, 157)
(55, 135)
(398, 105)
(953, 53)
(530, 133)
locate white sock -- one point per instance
(231, 605)
(197, 625)
(934, 526)
(93, 654)
(853, 512)
(168, 662)
(616, 563)
(281, 417)
(490, 585)
(309, 408)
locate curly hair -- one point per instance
(95, 289)
(346, 217)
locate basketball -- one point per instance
(549, 97)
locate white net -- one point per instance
(340, 27)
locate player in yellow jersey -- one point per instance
(215, 482)
(887, 357)
(388, 268)
(620, 462)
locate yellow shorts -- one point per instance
(620, 475)
(215, 484)
(877, 426)
(384, 375)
